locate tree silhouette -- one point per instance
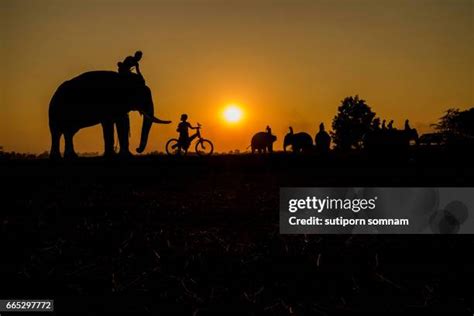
(457, 122)
(351, 123)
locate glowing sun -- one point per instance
(232, 113)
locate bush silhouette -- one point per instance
(351, 123)
(457, 122)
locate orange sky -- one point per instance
(285, 62)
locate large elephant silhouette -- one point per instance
(100, 97)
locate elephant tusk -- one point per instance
(158, 121)
(154, 119)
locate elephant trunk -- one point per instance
(147, 112)
(146, 126)
(148, 119)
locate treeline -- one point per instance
(355, 120)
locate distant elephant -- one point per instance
(100, 97)
(298, 142)
(262, 141)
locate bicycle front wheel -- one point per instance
(204, 147)
(172, 147)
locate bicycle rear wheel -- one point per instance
(204, 147)
(172, 147)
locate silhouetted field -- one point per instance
(201, 235)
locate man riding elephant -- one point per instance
(130, 63)
(263, 141)
(100, 97)
(299, 142)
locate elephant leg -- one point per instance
(123, 131)
(55, 152)
(108, 132)
(69, 145)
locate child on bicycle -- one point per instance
(183, 130)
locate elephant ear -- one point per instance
(132, 86)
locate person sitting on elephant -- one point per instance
(183, 130)
(269, 129)
(299, 142)
(263, 141)
(126, 66)
(390, 125)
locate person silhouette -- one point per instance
(126, 66)
(407, 125)
(376, 124)
(390, 124)
(322, 140)
(383, 125)
(183, 129)
(269, 129)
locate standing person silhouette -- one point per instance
(322, 140)
(407, 125)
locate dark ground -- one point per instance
(200, 235)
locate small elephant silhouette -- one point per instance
(262, 141)
(298, 142)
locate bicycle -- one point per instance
(203, 147)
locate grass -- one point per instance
(200, 235)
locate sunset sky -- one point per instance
(282, 62)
